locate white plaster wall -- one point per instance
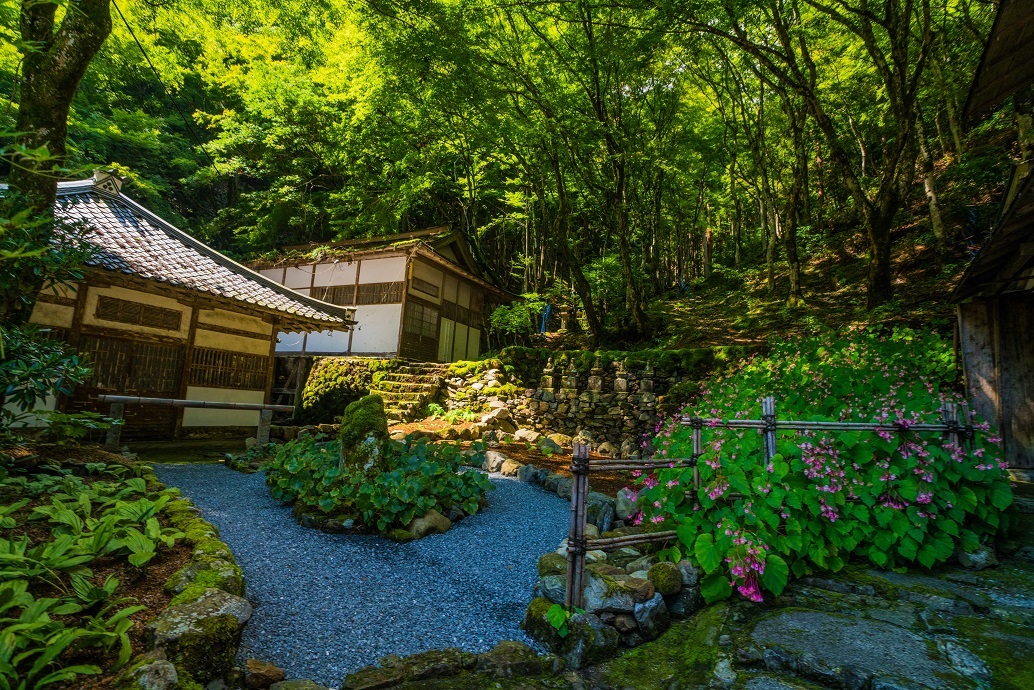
(335, 342)
(200, 416)
(377, 331)
(473, 343)
(94, 293)
(276, 274)
(340, 273)
(30, 419)
(297, 277)
(289, 342)
(387, 270)
(445, 339)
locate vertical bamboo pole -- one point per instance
(768, 414)
(949, 416)
(576, 536)
(698, 449)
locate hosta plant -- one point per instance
(420, 477)
(893, 499)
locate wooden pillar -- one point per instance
(576, 545)
(271, 365)
(188, 359)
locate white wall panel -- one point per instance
(298, 277)
(387, 270)
(201, 416)
(276, 274)
(377, 331)
(339, 273)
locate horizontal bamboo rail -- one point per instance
(118, 412)
(955, 426)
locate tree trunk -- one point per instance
(879, 288)
(930, 188)
(51, 71)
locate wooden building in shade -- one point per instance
(417, 295)
(996, 295)
(160, 314)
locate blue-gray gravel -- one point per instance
(326, 605)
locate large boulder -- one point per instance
(509, 659)
(603, 593)
(494, 461)
(526, 435)
(600, 511)
(547, 445)
(364, 435)
(432, 522)
(201, 636)
(552, 587)
(666, 578)
(652, 617)
(259, 675)
(153, 674)
(626, 506)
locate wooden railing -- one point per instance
(955, 425)
(118, 413)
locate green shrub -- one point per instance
(334, 382)
(420, 477)
(892, 499)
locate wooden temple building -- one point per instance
(160, 314)
(417, 295)
(995, 297)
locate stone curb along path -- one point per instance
(194, 641)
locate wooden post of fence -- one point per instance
(768, 414)
(265, 419)
(949, 416)
(576, 537)
(698, 449)
(114, 438)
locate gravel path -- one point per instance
(326, 605)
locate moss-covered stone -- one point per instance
(202, 635)
(687, 652)
(552, 563)
(1006, 648)
(364, 434)
(400, 535)
(666, 578)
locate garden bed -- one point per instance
(101, 553)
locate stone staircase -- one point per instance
(407, 389)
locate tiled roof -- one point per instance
(132, 240)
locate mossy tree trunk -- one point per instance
(56, 55)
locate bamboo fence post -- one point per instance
(114, 437)
(768, 415)
(949, 415)
(576, 537)
(698, 449)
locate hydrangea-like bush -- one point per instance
(893, 499)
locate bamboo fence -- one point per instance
(955, 425)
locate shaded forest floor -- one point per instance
(737, 308)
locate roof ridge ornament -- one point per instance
(108, 181)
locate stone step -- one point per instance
(405, 386)
(405, 378)
(393, 396)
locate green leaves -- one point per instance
(776, 573)
(715, 587)
(557, 616)
(707, 554)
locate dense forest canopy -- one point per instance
(604, 153)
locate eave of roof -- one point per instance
(1007, 64)
(1008, 254)
(230, 283)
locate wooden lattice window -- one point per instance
(421, 320)
(426, 287)
(138, 314)
(128, 365)
(380, 293)
(335, 294)
(226, 369)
